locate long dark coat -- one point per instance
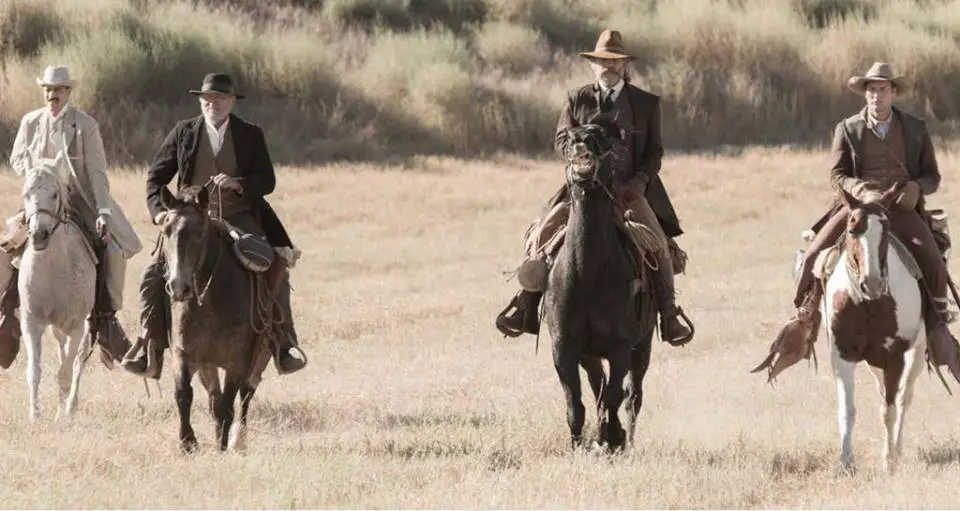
(177, 157)
(645, 144)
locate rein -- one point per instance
(853, 271)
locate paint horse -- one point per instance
(873, 311)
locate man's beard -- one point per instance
(609, 78)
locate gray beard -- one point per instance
(609, 79)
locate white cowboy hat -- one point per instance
(55, 76)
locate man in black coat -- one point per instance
(638, 184)
(228, 154)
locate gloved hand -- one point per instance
(909, 196)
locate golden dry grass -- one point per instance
(412, 399)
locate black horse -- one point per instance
(598, 302)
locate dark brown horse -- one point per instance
(592, 306)
(214, 320)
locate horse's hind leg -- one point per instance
(597, 379)
(211, 381)
(238, 441)
(32, 336)
(639, 362)
(65, 368)
(224, 411)
(569, 373)
(183, 393)
(612, 398)
(77, 346)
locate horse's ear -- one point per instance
(166, 198)
(849, 200)
(203, 198)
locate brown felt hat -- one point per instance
(609, 46)
(879, 71)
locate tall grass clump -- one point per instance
(336, 79)
(512, 48)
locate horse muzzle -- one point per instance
(180, 290)
(873, 287)
(40, 239)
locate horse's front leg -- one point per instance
(32, 337)
(639, 362)
(569, 373)
(846, 411)
(183, 393)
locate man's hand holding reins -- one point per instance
(228, 183)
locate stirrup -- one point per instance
(678, 312)
(507, 330)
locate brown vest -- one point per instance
(624, 113)
(882, 161)
(207, 165)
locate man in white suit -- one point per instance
(62, 133)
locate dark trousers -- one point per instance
(155, 315)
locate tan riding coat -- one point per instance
(86, 164)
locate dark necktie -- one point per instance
(607, 103)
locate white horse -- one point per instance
(57, 283)
(872, 308)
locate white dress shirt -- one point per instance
(613, 92)
(216, 134)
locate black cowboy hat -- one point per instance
(217, 82)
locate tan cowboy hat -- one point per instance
(609, 46)
(879, 71)
(54, 76)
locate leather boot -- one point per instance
(9, 323)
(145, 357)
(287, 355)
(521, 315)
(672, 329)
(110, 335)
(149, 363)
(942, 347)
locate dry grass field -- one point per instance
(412, 399)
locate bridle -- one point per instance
(579, 186)
(209, 230)
(59, 215)
(883, 246)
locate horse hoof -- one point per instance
(846, 469)
(189, 446)
(576, 441)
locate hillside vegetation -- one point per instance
(374, 79)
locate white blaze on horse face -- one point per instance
(872, 281)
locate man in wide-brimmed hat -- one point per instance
(69, 138)
(879, 147)
(638, 115)
(229, 155)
